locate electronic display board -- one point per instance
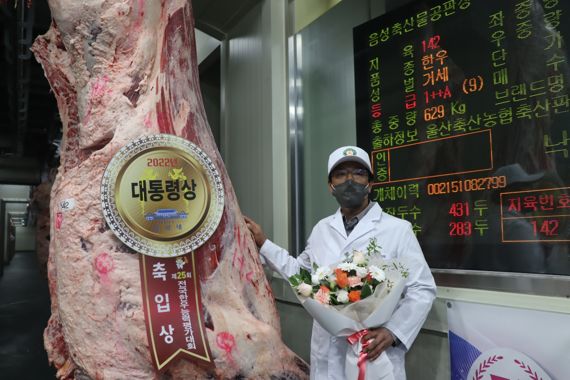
(464, 106)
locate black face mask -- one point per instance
(350, 194)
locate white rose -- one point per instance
(347, 267)
(359, 258)
(361, 271)
(305, 289)
(342, 296)
(315, 279)
(377, 273)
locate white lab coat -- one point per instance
(326, 245)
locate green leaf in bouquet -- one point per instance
(295, 280)
(305, 275)
(404, 272)
(372, 282)
(333, 299)
(366, 291)
(373, 247)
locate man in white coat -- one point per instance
(351, 227)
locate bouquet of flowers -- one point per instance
(349, 297)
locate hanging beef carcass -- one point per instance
(121, 69)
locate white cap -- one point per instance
(349, 153)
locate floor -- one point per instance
(24, 311)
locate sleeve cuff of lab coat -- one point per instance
(274, 256)
(395, 332)
(268, 247)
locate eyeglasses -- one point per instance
(342, 174)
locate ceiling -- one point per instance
(30, 128)
(218, 17)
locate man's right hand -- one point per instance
(256, 231)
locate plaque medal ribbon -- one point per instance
(178, 295)
(163, 197)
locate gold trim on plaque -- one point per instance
(162, 196)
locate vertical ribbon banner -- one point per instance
(173, 310)
(163, 197)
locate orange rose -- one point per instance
(354, 296)
(341, 278)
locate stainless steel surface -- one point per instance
(525, 283)
(296, 143)
(255, 148)
(224, 121)
(324, 103)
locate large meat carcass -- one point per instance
(121, 69)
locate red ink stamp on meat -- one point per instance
(99, 88)
(104, 263)
(58, 220)
(147, 122)
(226, 342)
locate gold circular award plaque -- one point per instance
(162, 196)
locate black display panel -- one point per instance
(464, 106)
